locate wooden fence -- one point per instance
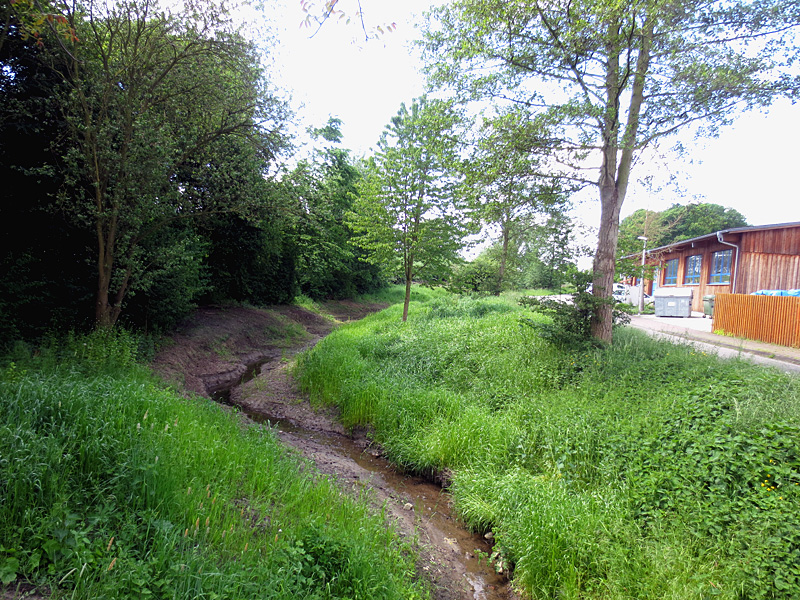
(772, 319)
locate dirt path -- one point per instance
(214, 350)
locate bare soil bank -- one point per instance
(215, 348)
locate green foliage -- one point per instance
(161, 115)
(570, 324)
(328, 266)
(480, 275)
(45, 270)
(251, 262)
(604, 80)
(406, 215)
(511, 188)
(175, 279)
(633, 470)
(114, 487)
(678, 222)
(693, 220)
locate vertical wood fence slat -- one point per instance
(772, 319)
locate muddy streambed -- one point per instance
(419, 508)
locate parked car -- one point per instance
(621, 292)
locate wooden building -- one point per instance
(739, 261)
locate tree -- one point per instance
(548, 252)
(32, 20)
(324, 190)
(148, 96)
(45, 277)
(612, 78)
(678, 222)
(686, 221)
(407, 211)
(508, 183)
(248, 223)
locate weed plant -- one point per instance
(641, 470)
(113, 487)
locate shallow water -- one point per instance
(430, 502)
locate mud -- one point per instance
(242, 357)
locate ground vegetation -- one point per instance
(645, 469)
(114, 486)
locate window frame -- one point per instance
(691, 276)
(671, 278)
(720, 260)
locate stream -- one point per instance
(448, 549)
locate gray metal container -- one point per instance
(673, 302)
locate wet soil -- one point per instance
(242, 356)
(23, 591)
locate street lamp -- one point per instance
(641, 281)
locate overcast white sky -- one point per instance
(752, 166)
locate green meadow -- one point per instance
(643, 470)
(114, 487)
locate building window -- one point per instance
(721, 267)
(693, 265)
(671, 272)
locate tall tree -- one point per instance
(325, 188)
(686, 221)
(678, 222)
(407, 215)
(510, 187)
(149, 94)
(548, 251)
(45, 277)
(615, 76)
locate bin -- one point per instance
(708, 306)
(673, 302)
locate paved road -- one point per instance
(697, 331)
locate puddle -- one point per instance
(430, 503)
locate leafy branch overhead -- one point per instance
(611, 78)
(319, 13)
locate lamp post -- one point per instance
(641, 281)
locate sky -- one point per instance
(752, 167)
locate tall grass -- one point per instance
(113, 487)
(642, 470)
(395, 294)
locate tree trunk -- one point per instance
(408, 271)
(614, 176)
(605, 260)
(503, 257)
(102, 312)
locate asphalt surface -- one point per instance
(696, 330)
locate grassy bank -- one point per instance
(113, 487)
(645, 470)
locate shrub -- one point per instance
(570, 325)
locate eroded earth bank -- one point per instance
(243, 356)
